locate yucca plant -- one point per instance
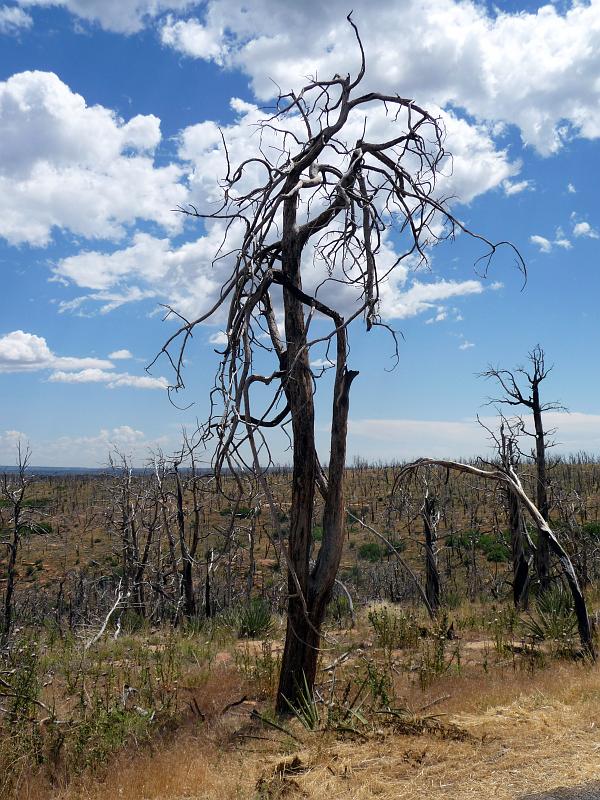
(254, 620)
(306, 709)
(554, 620)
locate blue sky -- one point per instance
(108, 113)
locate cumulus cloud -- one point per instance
(13, 20)
(534, 69)
(547, 245)
(64, 164)
(118, 355)
(27, 352)
(584, 229)
(121, 16)
(188, 276)
(408, 302)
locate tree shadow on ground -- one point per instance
(589, 791)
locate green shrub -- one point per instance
(370, 551)
(554, 620)
(254, 620)
(493, 548)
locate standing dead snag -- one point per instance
(21, 520)
(430, 517)
(529, 398)
(308, 221)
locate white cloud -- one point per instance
(67, 165)
(183, 276)
(571, 189)
(193, 39)
(419, 297)
(121, 16)
(119, 355)
(322, 363)
(517, 187)
(219, 338)
(9, 444)
(564, 243)
(545, 245)
(466, 345)
(535, 69)
(441, 315)
(188, 278)
(113, 380)
(13, 20)
(26, 352)
(584, 229)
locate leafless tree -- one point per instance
(519, 539)
(14, 488)
(521, 388)
(318, 190)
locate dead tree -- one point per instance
(14, 487)
(529, 397)
(319, 192)
(188, 542)
(517, 529)
(430, 517)
(506, 476)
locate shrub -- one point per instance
(554, 620)
(254, 619)
(370, 551)
(393, 630)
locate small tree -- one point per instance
(515, 395)
(318, 190)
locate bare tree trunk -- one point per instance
(11, 572)
(187, 558)
(301, 643)
(14, 494)
(516, 524)
(432, 575)
(542, 559)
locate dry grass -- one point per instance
(528, 735)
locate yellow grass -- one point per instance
(532, 735)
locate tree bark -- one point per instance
(520, 562)
(432, 576)
(542, 559)
(302, 640)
